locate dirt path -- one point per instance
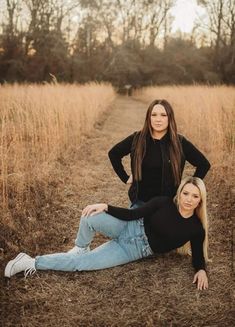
(156, 292)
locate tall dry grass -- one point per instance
(205, 115)
(38, 123)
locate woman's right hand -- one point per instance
(94, 209)
(201, 279)
(130, 180)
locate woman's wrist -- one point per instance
(130, 180)
(202, 271)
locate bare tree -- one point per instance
(157, 15)
(13, 10)
(229, 21)
(220, 19)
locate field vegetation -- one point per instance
(54, 142)
(38, 125)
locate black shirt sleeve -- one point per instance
(198, 260)
(147, 209)
(195, 158)
(116, 154)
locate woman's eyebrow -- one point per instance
(195, 194)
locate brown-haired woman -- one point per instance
(158, 154)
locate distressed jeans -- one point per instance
(128, 243)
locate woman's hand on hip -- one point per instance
(94, 209)
(130, 180)
(201, 278)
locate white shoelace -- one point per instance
(29, 271)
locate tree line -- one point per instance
(120, 41)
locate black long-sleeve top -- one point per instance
(150, 185)
(157, 176)
(165, 228)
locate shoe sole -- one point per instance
(10, 265)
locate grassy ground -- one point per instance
(153, 292)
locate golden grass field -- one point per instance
(54, 142)
(38, 124)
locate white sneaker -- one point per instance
(22, 262)
(77, 250)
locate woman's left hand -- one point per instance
(130, 180)
(94, 209)
(201, 278)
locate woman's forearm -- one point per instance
(146, 210)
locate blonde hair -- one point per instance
(201, 212)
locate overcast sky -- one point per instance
(185, 12)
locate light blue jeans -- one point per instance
(128, 243)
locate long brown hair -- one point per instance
(175, 148)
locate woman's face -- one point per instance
(189, 197)
(159, 119)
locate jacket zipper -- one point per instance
(162, 168)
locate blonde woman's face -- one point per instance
(189, 197)
(159, 119)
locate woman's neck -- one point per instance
(158, 135)
(185, 213)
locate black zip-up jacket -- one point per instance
(168, 188)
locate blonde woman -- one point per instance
(167, 225)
